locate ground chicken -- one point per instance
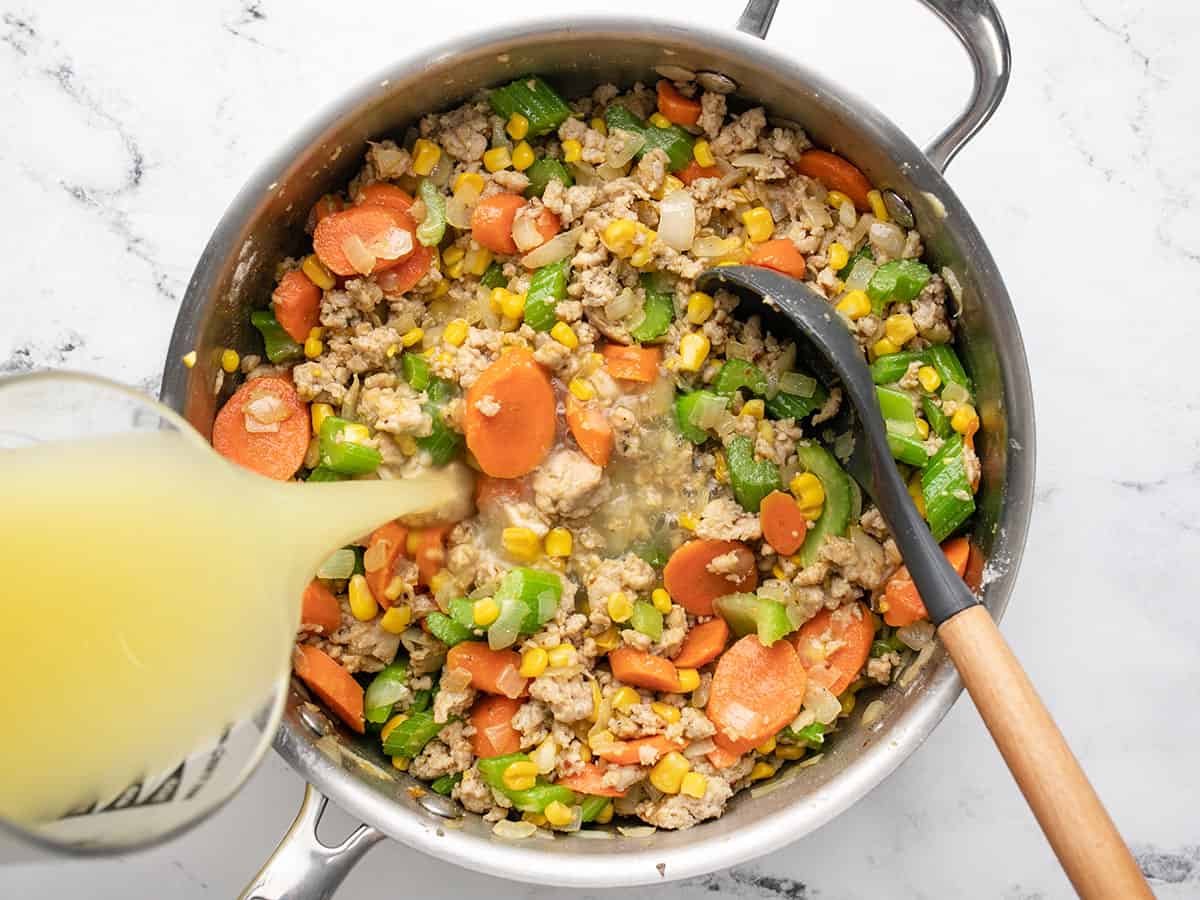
(569, 699)
(723, 519)
(359, 646)
(568, 484)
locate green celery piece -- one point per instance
(388, 686)
(421, 700)
(442, 443)
(415, 369)
(546, 288)
(791, 406)
(617, 116)
(592, 807)
(891, 368)
(751, 479)
(446, 629)
(651, 553)
(835, 516)
(462, 611)
(751, 614)
(345, 457)
(908, 450)
(685, 404)
(938, 420)
(410, 736)
(943, 358)
(441, 389)
(812, 734)
(947, 490)
(542, 172)
(863, 252)
(856, 501)
(897, 410)
(534, 799)
(736, 374)
(897, 280)
(658, 312)
(493, 277)
(538, 591)
(647, 620)
(674, 141)
(324, 473)
(492, 768)
(887, 643)
(535, 100)
(433, 229)
(277, 343)
(445, 784)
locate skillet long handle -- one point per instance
(1087, 844)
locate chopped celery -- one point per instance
(431, 231)
(493, 277)
(462, 611)
(938, 420)
(277, 343)
(538, 592)
(592, 807)
(835, 515)
(751, 478)
(442, 443)
(898, 280)
(685, 409)
(792, 406)
(416, 370)
(447, 630)
(736, 374)
(908, 450)
(542, 172)
(658, 312)
(534, 799)
(647, 620)
(812, 734)
(324, 473)
(410, 736)
(674, 141)
(897, 410)
(651, 553)
(388, 686)
(445, 784)
(343, 455)
(421, 700)
(339, 564)
(943, 358)
(947, 489)
(750, 614)
(535, 100)
(546, 288)
(891, 368)
(863, 252)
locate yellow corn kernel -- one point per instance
(688, 521)
(721, 467)
(900, 329)
(522, 156)
(790, 751)
(513, 306)
(558, 814)
(362, 601)
(693, 785)
(809, 493)
(598, 124)
(702, 153)
(761, 770)
(767, 746)
(965, 420)
(658, 120)
(412, 336)
(755, 408)
(521, 543)
(689, 680)
(605, 815)
(836, 199)
(878, 207)
(619, 235)
(396, 619)
(316, 272)
(485, 611)
(699, 307)
(672, 184)
(313, 347)
(357, 433)
(451, 255)
(929, 378)
(189, 359)
(533, 818)
(884, 347)
(603, 738)
(476, 261)
(766, 430)
(396, 587)
(661, 600)
(625, 698)
(609, 639)
(778, 572)
(471, 181)
(592, 363)
(922, 429)
(412, 543)
(561, 656)
(318, 412)
(534, 662)
(558, 542)
(496, 298)
(572, 151)
(848, 702)
(454, 271)
(597, 699)
(667, 774)
(837, 256)
(582, 390)
(693, 351)
(391, 725)
(855, 305)
(666, 712)
(759, 224)
(456, 332)
(619, 606)
(565, 335)
(442, 289)
(401, 762)
(496, 159)
(407, 444)
(517, 127)
(917, 493)
(641, 256)
(520, 775)
(426, 155)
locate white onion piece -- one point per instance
(339, 564)
(820, 701)
(267, 409)
(712, 246)
(738, 350)
(677, 220)
(544, 757)
(609, 173)
(887, 239)
(811, 761)
(585, 174)
(622, 306)
(456, 679)
(874, 712)
(699, 748)
(751, 160)
(817, 212)
(376, 555)
(458, 213)
(510, 682)
(955, 393)
(796, 615)
(558, 247)
(708, 411)
(843, 445)
(525, 233)
(860, 275)
(636, 830)
(253, 426)
(506, 828)
(803, 720)
(357, 254)
(917, 635)
(392, 244)
(603, 714)
(726, 425)
(595, 834)
(909, 675)
(847, 215)
(797, 384)
(441, 172)
(741, 718)
(621, 147)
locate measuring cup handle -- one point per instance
(979, 28)
(304, 868)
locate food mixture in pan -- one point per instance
(671, 588)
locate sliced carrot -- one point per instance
(386, 195)
(590, 780)
(335, 686)
(320, 608)
(694, 170)
(755, 691)
(687, 578)
(404, 277)
(902, 604)
(492, 222)
(489, 490)
(591, 430)
(431, 551)
(720, 758)
(632, 363)
(643, 669)
(836, 173)
(548, 224)
(492, 671)
(297, 305)
(492, 718)
(370, 225)
(781, 255)
(326, 206)
(854, 632)
(276, 454)
(629, 753)
(390, 540)
(678, 109)
(518, 436)
(703, 644)
(783, 525)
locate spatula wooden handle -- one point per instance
(1075, 822)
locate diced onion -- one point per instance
(803, 720)
(357, 254)
(843, 445)
(708, 411)
(595, 834)
(917, 635)
(955, 393)
(817, 212)
(603, 714)
(874, 712)
(458, 213)
(558, 247)
(456, 679)
(622, 306)
(441, 172)
(339, 564)
(797, 384)
(267, 409)
(741, 718)
(677, 220)
(525, 233)
(585, 174)
(774, 784)
(576, 822)
(711, 246)
(811, 761)
(636, 830)
(389, 161)
(544, 757)
(796, 615)
(860, 275)
(696, 749)
(506, 828)
(510, 682)
(392, 244)
(751, 160)
(888, 239)
(376, 556)
(909, 675)
(503, 632)
(253, 426)
(726, 425)
(824, 706)
(621, 147)
(847, 215)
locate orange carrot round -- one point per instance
(276, 454)
(431, 551)
(838, 174)
(518, 435)
(720, 758)
(694, 170)
(590, 780)
(643, 669)
(336, 687)
(492, 222)
(632, 363)
(390, 542)
(297, 304)
(404, 277)
(320, 608)
(851, 633)
(370, 225)
(680, 110)
(386, 195)
(629, 753)
(783, 525)
(489, 490)
(325, 206)
(492, 718)
(591, 430)
(755, 691)
(703, 644)
(779, 254)
(902, 604)
(687, 578)
(492, 671)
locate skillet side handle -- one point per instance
(1084, 838)
(756, 17)
(304, 868)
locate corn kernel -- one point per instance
(666, 712)
(917, 492)
(605, 815)
(855, 305)
(396, 587)
(658, 120)
(761, 770)
(693, 785)
(582, 390)
(517, 127)
(412, 336)
(456, 332)
(619, 606)
(401, 762)
(513, 306)
(721, 467)
(699, 307)
(838, 256)
(561, 656)
(534, 662)
(520, 775)
(565, 335)
(426, 155)
(759, 224)
(672, 184)
(848, 701)
(809, 493)
(471, 181)
(693, 351)
(878, 207)
(313, 347)
(442, 289)
(476, 261)
(189, 359)
(395, 720)
(929, 378)
(558, 814)
(688, 521)
(609, 639)
(625, 698)
(485, 611)
(599, 739)
(521, 543)
(533, 818)
(884, 347)
(965, 420)
(318, 412)
(922, 429)
(790, 751)
(767, 746)
(900, 329)
(756, 408)
(667, 774)
(453, 254)
(572, 151)
(316, 272)
(496, 159)
(836, 199)
(597, 699)
(689, 680)
(778, 572)
(766, 430)
(641, 256)
(362, 601)
(558, 542)
(412, 543)
(396, 619)
(522, 156)
(619, 235)
(702, 153)
(661, 600)
(598, 124)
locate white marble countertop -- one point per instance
(127, 130)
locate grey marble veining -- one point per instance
(128, 127)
